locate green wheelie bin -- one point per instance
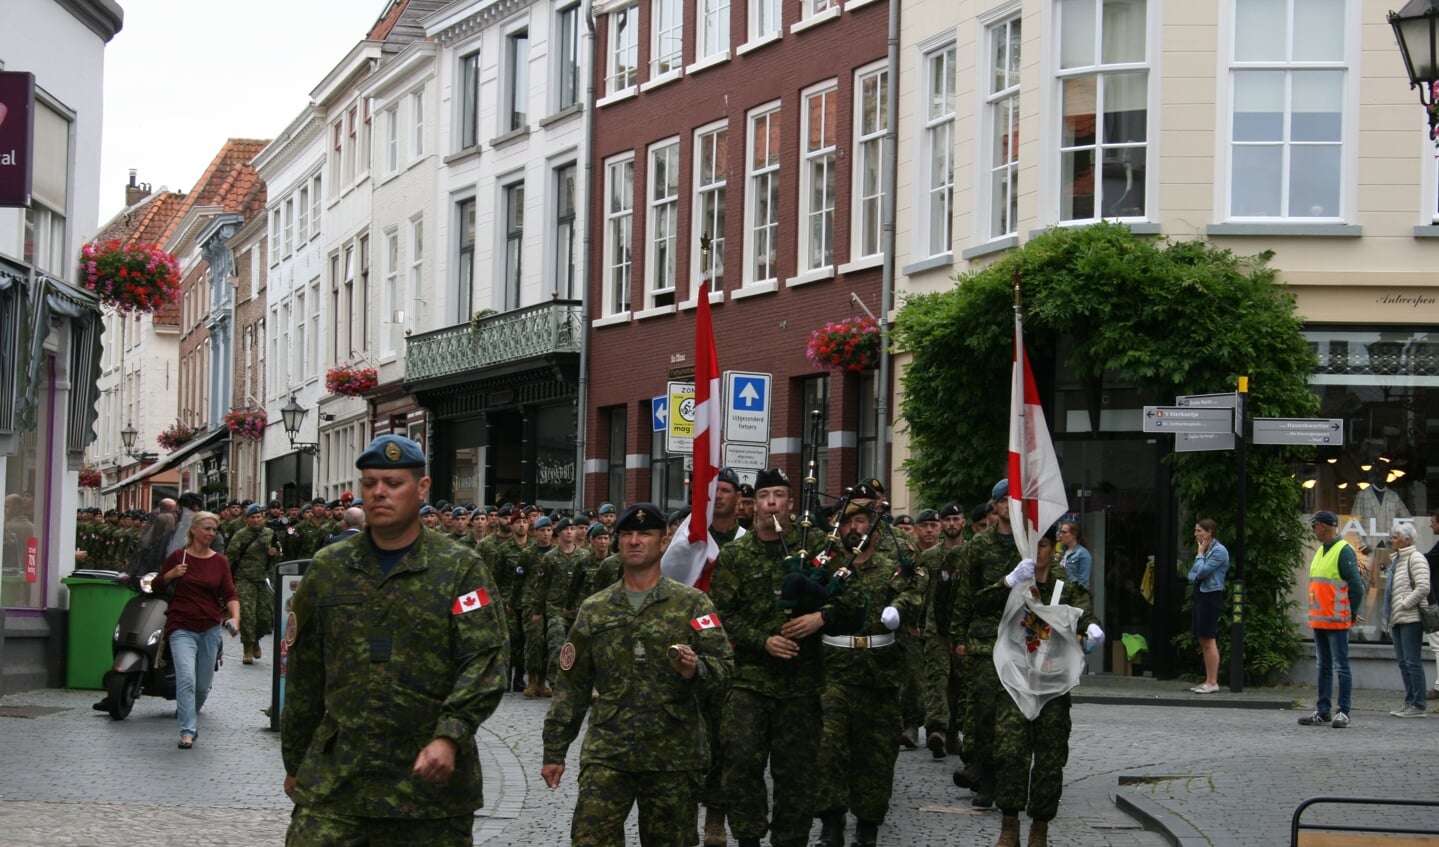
(96, 598)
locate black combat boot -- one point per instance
(831, 829)
(747, 842)
(984, 793)
(866, 834)
(518, 683)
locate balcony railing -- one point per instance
(542, 330)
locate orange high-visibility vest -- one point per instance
(1328, 592)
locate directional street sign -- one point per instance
(1177, 419)
(1208, 401)
(1299, 431)
(1206, 441)
(751, 457)
(680, 412)
(660, 413)
(1198, 442)
(747, 407)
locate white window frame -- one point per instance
(765, 20)
(510, 272)
(618, 81)
(662, 223)
(824, 157)
(464, 279)
(302, 332)
(515, 79)
(861, 195)
(1001, 103)
(1098, 71)
(563, 267)
(467, 102)
(711, 29)
(619, 212)
(289, 233)
(316, 204)
(936, 132)
(315, 303)
(275, 215)
(765, 178)
(302, 215)
(703, 216)
(336, 155)
(667, 41)
(417, 124)
(1347, 142)
(417, 262)
(392, 140)
(392, 293)
(567, 63)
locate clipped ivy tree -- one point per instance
(1168, 318)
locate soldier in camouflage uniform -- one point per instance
(599, 568)
(310, 533)
(253, 553)
(944, 678)
(533, 604)
(1031, 755)
(862, 676)
(561, 566)
(651, 650)
(399, 656)
(516, 559)
(973, 625)
(773, 711)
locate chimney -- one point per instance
(135, 192)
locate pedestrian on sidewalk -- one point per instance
(203, 595)
(400, 654)
(1336, 592)
(1211, 563)
(1407, 588)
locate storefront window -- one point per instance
(667, 476)
(1384, 386)
(465, 484)
(22, 553)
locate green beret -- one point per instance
(391, 451)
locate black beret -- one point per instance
(771, 478)
(275, 504)
(598, 528)
(980, 512)
(562, 523)
(904, 520)
(926, 515)
(641, 516)
(746, 490)
(865, 490)
(679, 514)
(951, 509)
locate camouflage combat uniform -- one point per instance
(592, 575)
(560, 570)
(250, 560)
(860, 704)
(381, 666)
(974, 622)
(944, 686)
(309, 537)
(512, 572)
(1043, 741)
(773, 710)
(645, 741)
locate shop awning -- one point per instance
(170, 460)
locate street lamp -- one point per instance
(127, 438)
(1416, 28)
(293, 414)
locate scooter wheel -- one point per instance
(121, 691)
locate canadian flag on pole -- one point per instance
(692, 553)
(1036, 488)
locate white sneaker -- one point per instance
(1341, 720)
(1399, 712)
(1409, 712)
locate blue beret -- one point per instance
(459, 512)
(541, 522)
(728, 475)
(253, 509)
(641, 516)
(391, 451)
(427, 510)
(1000, 490)
(607, 508)
(1325, 517)
(357, 502)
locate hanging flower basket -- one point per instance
(851, 344)
(176, 434)
(132, 278)
(90, 477)
(350, 380)
(246, 422)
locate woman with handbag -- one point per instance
(1406, 590)
(203, 592)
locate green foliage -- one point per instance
(1166, 317)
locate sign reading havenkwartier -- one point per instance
(17, 136)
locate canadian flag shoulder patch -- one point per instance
(470, 602)
(705, 622)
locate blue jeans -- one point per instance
(1408, 641)
(1331, 651)
(193, 654)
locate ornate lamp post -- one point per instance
(293, 414)
(1416, 28)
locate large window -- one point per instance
(1002, 107)
(564, 232)
(667, 476)
(514, 206)
(623, 71)
(814, 397)
(289, 225)
(616, 461)
(517, 79)
(315, 206)
(937, 164)
(762, 212)
(1104, 91)
(567, 57)
(392, 140)
(417, 260)
(417, 124)
(469, 105)
(663, 221)
(302, 211)
(712, 19)
(464, 259)
(817, 179)
(1288, 101)
(871, 105)
(764, 19)
(391, 335)
(619, 221)
(667, 28)
(711, 169)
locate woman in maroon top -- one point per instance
(203, 591)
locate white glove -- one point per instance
(1023, 572)
(890, 617)
(1096, 638)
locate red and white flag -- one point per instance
(1036, 488)
(705, 622)
(692, 552)
(470, 602)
